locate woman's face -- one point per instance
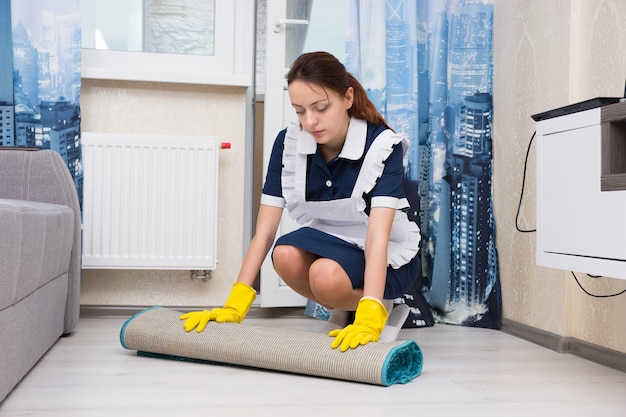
(322, 112)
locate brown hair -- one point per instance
(323, 69)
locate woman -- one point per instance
(338, 170)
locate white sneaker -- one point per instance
(388, 304)
(396, 319)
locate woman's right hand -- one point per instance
(234, 311)
(196, 320)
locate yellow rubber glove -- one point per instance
(369, 321)
(237, 306)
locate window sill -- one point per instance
(128, 66)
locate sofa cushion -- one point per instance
(35, 246)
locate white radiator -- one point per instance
(149, 202)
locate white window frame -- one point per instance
(231, 63)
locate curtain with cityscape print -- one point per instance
(427, 66)
(40, 79)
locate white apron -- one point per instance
(346, 218)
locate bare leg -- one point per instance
(292, 265)
(321, 280)
(333, 288)
(331, 285)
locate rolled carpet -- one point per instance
(158, 332)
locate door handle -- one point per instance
(278, 23)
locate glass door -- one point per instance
(292, 27)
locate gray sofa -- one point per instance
(40, 249)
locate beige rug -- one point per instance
(158, 332)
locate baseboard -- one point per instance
(110, 311)
(539, 337)
(128, 311)
(604, 356)
(599, 354)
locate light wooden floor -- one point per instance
(467, 372)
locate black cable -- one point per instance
(521, 196)
(594, 295)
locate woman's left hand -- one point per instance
(369, 321)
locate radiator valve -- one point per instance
(202, 275)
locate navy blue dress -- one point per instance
(332, 200)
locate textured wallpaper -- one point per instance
(548, 54)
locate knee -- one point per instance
(283, 256)
(328, 281)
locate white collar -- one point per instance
(353, 147)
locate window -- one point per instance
(139, 46)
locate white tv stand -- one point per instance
(581, 191)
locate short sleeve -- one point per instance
(272, 188)
(390, 182)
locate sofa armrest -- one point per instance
(43, 176)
